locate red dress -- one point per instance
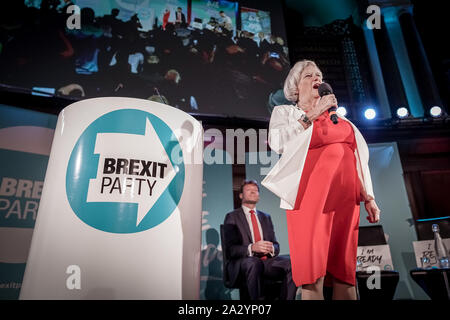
(165, 19)
(323, 226)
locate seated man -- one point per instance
(256, 257)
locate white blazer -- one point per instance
(290, 139)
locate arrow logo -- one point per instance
(139, 180)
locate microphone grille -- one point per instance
(324, 89)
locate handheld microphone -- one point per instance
(160, 98)
(325, 89)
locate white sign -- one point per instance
(426, 254)
(379, 256)
(140, 180)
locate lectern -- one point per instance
(120, 212)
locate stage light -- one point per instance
(436, 111)
(342, 111)
(370, 113)
(402, 112)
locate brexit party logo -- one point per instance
(121, 176)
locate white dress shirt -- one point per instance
(250, 224)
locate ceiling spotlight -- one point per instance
(402, 112)
(342, 111)
(436, 111)
(370, 113)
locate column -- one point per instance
(417, 55)
(377, 74)
(390, 15)
(391, 74)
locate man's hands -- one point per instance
(264, 247)
(373, 211)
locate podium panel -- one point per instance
(120, 212)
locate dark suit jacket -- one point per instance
(183, 17)
(237, 246)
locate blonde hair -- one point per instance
(291, 83)
(173, 75)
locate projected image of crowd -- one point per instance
(199, 66)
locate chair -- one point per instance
(371, 236)
(229, 234)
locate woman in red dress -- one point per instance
(323, 224)
(165, 19)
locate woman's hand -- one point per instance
(373, 211)
(323, 104)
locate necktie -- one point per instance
(256, 232)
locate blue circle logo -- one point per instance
(126, 172)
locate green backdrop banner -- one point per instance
(25, 141)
